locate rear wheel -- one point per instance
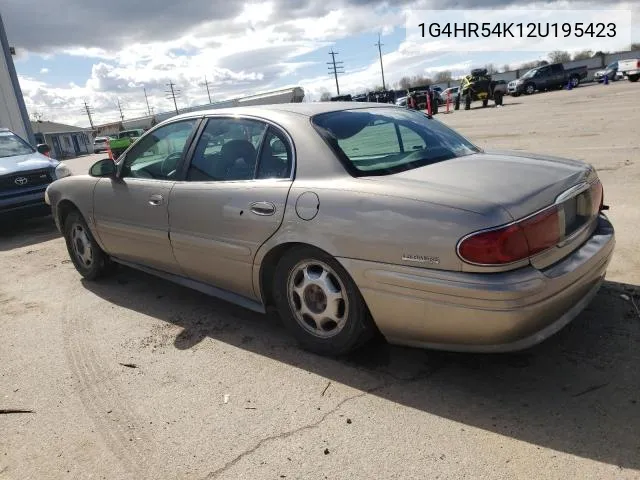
(86, 255)
(574, 81)
(319, 303)
(634, 78)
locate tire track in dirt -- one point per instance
(104, 404)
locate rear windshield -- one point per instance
(12, 145)
(384, 141)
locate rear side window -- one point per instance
(383, 141)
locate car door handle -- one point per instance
(155, 200)
(263, 208)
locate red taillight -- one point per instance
(514, 242)
(638, 65)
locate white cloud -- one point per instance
(246, 48)
(44, 70)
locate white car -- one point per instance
(630, 69)
(453, 91)
(100, 144)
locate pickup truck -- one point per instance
(630, 69)
(25, 174)
(122, 140)
(547, 77)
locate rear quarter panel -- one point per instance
(371, 226)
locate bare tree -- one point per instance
(583, 55)
(559, 56)
(442, 77)
(635, 46)
(506, 67)
(404, 83)
(325, 97)
(491, 68)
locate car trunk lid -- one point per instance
(522, 184)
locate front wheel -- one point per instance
(530, 89)
(86, 255)
(319, 303)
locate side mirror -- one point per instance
(103, 168)
(43, 148)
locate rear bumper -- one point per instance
(472, 312)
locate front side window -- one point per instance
(383, 141)
(12, 145)
(157, 154)
(227, 150)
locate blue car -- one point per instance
(25, 174)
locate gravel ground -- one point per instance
(133, 377)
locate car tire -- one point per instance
(575, 81)
(530, 89)
(633, 78)
(85, 253)
(305, 281)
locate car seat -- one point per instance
(239, 159)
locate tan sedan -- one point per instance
(349, 218)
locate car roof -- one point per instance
(304, 109)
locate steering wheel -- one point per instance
(169, 164)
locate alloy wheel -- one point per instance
(318, 298)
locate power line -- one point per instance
(120, 108)
(206, 84)
(89, 111)
(147, 100)
(379, 45)
(172, 93)
(335, 68)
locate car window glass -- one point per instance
(378, 138)
(12, 145)
(227, 150)
(367, 143)
(276, 156)
(157, 154)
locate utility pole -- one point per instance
(335, 68)
(206, 84)
(147, 100)
(379, 45)
(172, 93)
(120, 108)
(88, 109)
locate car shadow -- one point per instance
(575, 393)
(28, 232)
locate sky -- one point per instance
(74, 51)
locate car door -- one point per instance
(231, 201)
(131, 211)
(542, 78)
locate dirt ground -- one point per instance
(134, 378)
